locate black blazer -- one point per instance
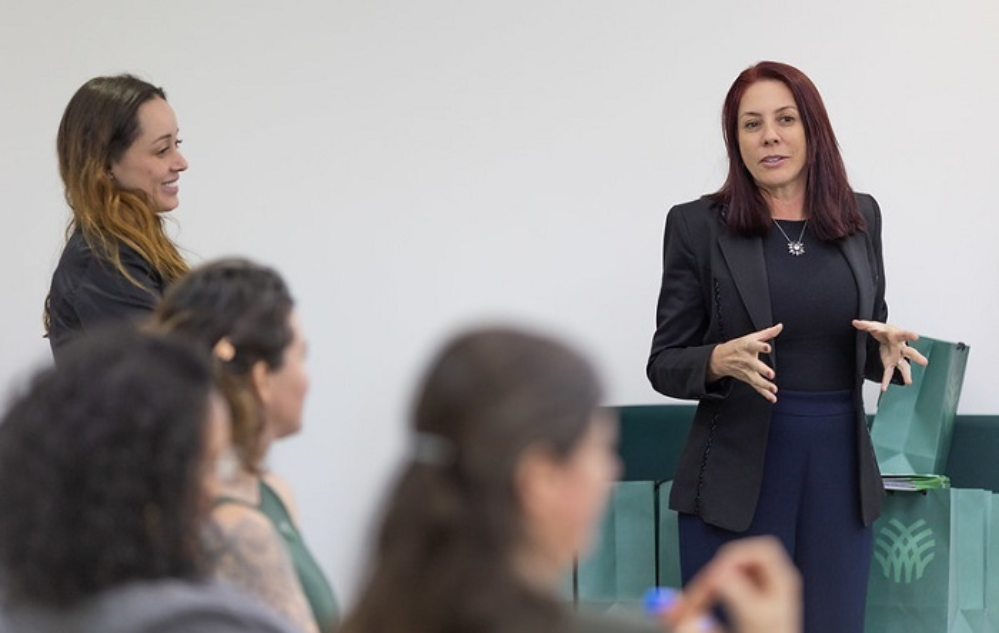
(88, 291)
(714, 289)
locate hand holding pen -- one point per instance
(752, 579)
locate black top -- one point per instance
(815, 296)
(87, 290)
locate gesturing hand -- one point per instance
(756, 582)
(895, 351)
(740, 359)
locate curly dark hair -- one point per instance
(102, 469)
(444, 554)
(248, 305)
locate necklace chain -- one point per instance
(794, 247)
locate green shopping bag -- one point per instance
(928, 568)
(913, 425)
(992, 571)
(622, 565)
(669, 540)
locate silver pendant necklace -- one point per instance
(794, 247)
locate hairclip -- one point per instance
(431, 449)
(224, 350)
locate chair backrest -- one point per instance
(652, 436)
(651, 439)
(974, 452)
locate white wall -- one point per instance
(412, 166)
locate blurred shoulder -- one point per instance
(243, 520)
(208, 607)
(280, 487)
(163, 606)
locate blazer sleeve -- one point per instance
(873, 367)
(681, 348)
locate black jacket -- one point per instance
(87, 291)
(714, 289)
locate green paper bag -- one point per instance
(914, 423)
(622, 565)
(669, 540)
(992, 571)
(928, 568)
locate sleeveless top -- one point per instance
(316, 588)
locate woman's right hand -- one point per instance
(740, 359)
(756, 582)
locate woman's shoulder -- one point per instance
(79, 255)
(243, 543)
(283, 491)
(706, 205)
(703, 212)
(866, 203)
(237, 518)
(696, 218)
(165, 606)
(76, 253)
(203, 606)
(868, 208)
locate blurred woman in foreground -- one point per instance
(511, 464)
(107, 468)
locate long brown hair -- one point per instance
(443, 561)
(829, 200)
(100, 123)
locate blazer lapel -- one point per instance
(856, 252)
(744, 256)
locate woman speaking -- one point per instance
(771, 313)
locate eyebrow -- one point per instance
(780, 109)
(165, 137)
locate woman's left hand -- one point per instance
(895, 350)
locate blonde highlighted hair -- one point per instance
(100, 123)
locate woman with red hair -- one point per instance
(771, 313)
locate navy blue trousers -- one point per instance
(809, 500)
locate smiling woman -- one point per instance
(120, 161)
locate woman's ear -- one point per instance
(260, 379)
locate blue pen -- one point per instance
(659, 599)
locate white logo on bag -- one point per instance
(904, 551)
